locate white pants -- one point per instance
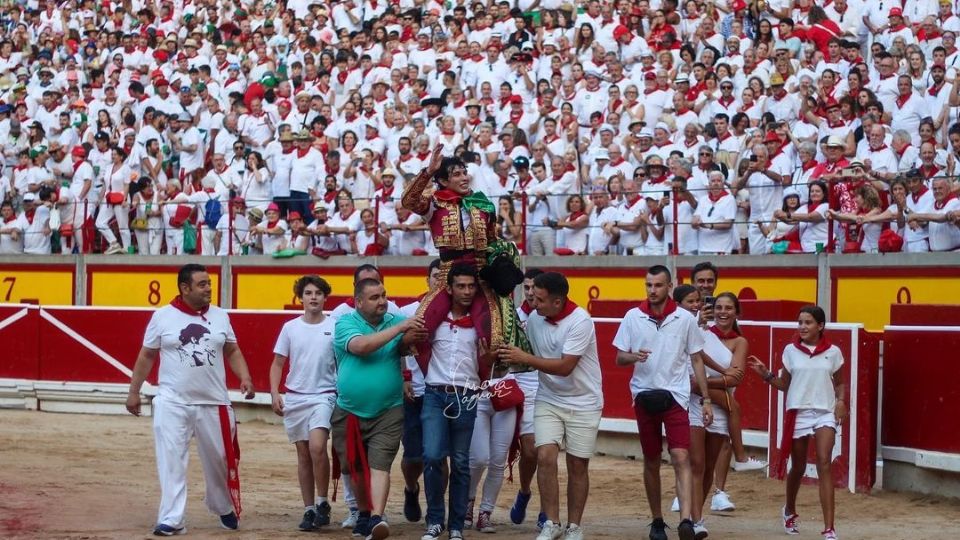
(207, 237)
(542, 241)
(759, 245)
(174, 424)
(492, 435)
(174, 238)
(75, 213)
(149, 242)
(109, 211)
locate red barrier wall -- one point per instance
(19, 334)
(924, 314)
(920, 391)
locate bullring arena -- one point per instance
(93, 474)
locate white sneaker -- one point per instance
(750, 464)
(675, 507)
(351, 520)
(721, 502)
(700, 531)
(114, 249)
(574, 532)
(550, 531)
(829, 534)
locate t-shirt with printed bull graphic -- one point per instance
(192, 368)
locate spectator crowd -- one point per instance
(631, 127)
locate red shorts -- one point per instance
(651, 431)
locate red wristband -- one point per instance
(407, 375)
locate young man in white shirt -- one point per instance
(194, 339)
(660, 341)
(569, 399)
(311, 387)
(458, 363)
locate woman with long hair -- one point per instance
(583, 44)
(574, 226)
(255, 183)
(811, 219)
(115, 204)
(815, 406)
(368, 241)
(508, 219)
(868, 206)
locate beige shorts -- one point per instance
(381, 437)
(574, 430)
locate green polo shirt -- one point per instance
(367, 385)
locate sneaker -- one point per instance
(519, 509)
(229, 521)
(456, 535)
(411, 505)
(829, 534)
(658, 529)
(791, 523)
(750, 464)
(573, 532)
(323, 515)
(541, 519)
(675, 507)
(721, 502)
(362, 528)
(433, 532)
(700, 531)
(309, 522)
(685, 530)
(114, 249)
(468, 516)
(550, 531)
(484, 523)
(351, 520)
(379, 529)
(168, 530)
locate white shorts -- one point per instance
(721, 422)
(810, 420)
(303, 413)
(529, 383)
(574, 430)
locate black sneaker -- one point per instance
(433, 532)
(658, 529)
(322, 515)
(230, 521)
(685, 530)
(309, 520)
(379, 529)
(362, 529)
(411, 505)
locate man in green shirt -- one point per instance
(368, 419)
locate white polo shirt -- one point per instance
(191, 354)
(811, 384)
(574, 334)
(309, 347)
(670, 345)
(454, 356)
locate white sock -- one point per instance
(306, 508)
(321, 500)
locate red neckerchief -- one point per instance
(896, 28)
(575, 216)
(505, 100)
(406, 157)
(14, 217)
(934, 90)
(386, 193)
(503, 180)
(725, 102)
(301, 152)
(668, 308)
(714, 198)
(29, 216)
(901, 151)
(474, 121)
(526, 308)
(732, 333)
(901, 100)
(618, 161)
(920, 193)
(691, 144)
(447, 195)
(812, 206)
(658, 179)
(463, 322)
(422, 156)
(76, 165)
(929, 171)
(182, 306)
(938, 205)
(448, 133)
(568, 307)
(272, 224)
(809, 165)
(780, 95)
(821, 347)
(882, 147)
(290, 151)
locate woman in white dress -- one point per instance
(255, 183)
(115, 203)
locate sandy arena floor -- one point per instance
(86, 476)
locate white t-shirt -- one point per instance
(811, 384)
(454, 357)
(191, 354)
(670, 346)
(408, 311)
(309, 347)
(945, 236)
(574, 334)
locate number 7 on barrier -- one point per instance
(12, 281)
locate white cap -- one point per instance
(663, 126)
